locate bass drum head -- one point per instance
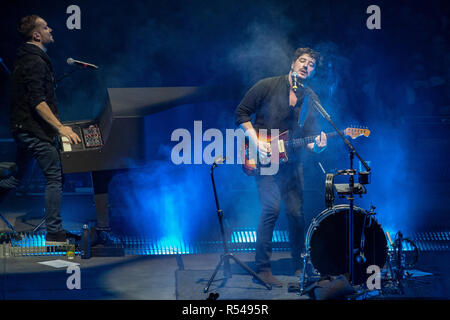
(328, 246)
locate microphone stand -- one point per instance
(225, 258)
(351, 172)
(65, 75)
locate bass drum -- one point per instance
(326, 242)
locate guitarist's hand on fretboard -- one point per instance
(320, 141)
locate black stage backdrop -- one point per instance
(394, 80)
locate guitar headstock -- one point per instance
(355, 132)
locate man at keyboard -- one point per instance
(34, 119)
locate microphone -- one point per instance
(294, 81)
(219, 160)
(81, 64)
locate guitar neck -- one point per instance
(300, 142)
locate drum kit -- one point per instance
(347, 240)
(327, 242)
(344, 239)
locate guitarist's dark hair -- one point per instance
(314, 54)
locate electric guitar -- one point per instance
(282, 143)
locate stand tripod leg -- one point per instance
(303, 276)
(394, 275)
(206, 289)
(39, 225)
(226, 266)
(8, 224)
(225, 258)
(250, 271)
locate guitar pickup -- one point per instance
(281, 146)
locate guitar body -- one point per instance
(252, 163)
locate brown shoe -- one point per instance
(268, 278)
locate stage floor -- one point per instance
(179, 277)
(175, 277)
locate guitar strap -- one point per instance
(304, 110)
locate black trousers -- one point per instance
(47, 156)
(286, 186)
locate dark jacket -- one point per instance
(32, 82)
(268, 102)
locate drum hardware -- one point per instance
(351, 173)
(350, 252)
(394, 274)
(368, 216)
(343, 189)
(401, 256)
(326, 244)
(306, 258)
(397, 260)
(364, 177)
(361, 258)
(366, 221)
(397, 264)
(329, 192)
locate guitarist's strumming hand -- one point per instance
(263, 147)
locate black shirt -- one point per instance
(32, 83)
(268, 100)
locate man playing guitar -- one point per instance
(277, 103)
